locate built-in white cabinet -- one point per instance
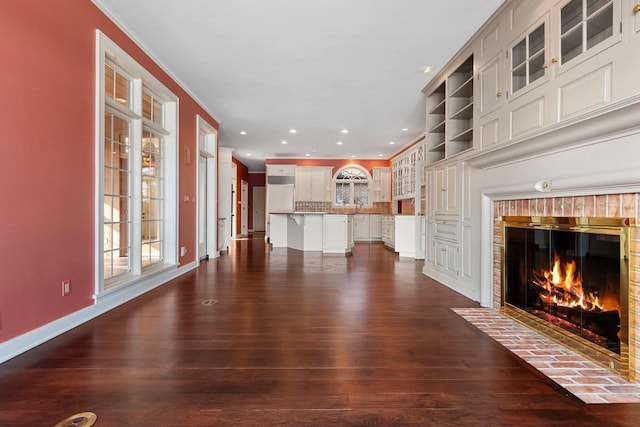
(448, 223)
(404, 171)
(313, 184)
(388, 230)
(535, 67)
(375, 227)
(450, 108)
(367, 227)
(447, 189)
(280, 198)
(407, 229)
(361, 227)
(381, 184)
(281, 170)
(337, 234)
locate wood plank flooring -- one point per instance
(293, 339)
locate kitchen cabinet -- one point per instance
(337, 234)
(381, 184)
(388, 230)
(375, 227)
(361, 227)
(313, 184)
(404, 171)
(281, 170)
(280, 198)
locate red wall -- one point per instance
(47, 86)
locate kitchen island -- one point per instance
(312, 231)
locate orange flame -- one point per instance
(563, 286)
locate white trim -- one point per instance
(141, 79)
(115, 18)
(35, 337)
(208, 149)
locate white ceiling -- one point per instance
(266, 66)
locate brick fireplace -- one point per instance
(595, 206)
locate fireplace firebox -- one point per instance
(568, 278)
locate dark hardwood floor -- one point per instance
(294, 339)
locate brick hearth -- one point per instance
(600, 206)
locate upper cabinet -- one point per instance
(585, 28)
(535, 67)
(381, 184)
(404, 171)
(450, 114)
(313, 184)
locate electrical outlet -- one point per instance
(66, 288)
(183, 251)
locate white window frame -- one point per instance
(108, 51)
(352, 203)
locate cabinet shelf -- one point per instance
(439, 147)
(464, 113)
(438, 108)
(438, 128)
(450, 114)
(465, 135)
(465, 90)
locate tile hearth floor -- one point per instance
(579, 376)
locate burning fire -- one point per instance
(562, 286)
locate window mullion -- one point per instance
(136, 197)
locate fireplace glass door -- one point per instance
(567, 276)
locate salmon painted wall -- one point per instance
(47, 104)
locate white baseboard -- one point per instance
(22, 343)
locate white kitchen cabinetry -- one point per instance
(404, 172)
(337, 234)
(280, 198)
(388, 230)
(407, 230)
(381, 184)
(281, 170)
(375, 227)
(313, 184)
(361, 227)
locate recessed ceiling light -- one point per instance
(353, 157)
(339, 143)
(391, 142)
(344, 131)
(292, 131)
(283, 142)
(249, 154)
(405, 130)
(425, 69)
(379, 155)
(307, 154)
(243, 132)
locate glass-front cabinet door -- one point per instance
(528, 58)
(585, 28)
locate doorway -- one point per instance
(206, 228)
(244, 208)
(259, 210)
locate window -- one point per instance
(136, 171)
(527, 59)
(352, 186)
(583, 25)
